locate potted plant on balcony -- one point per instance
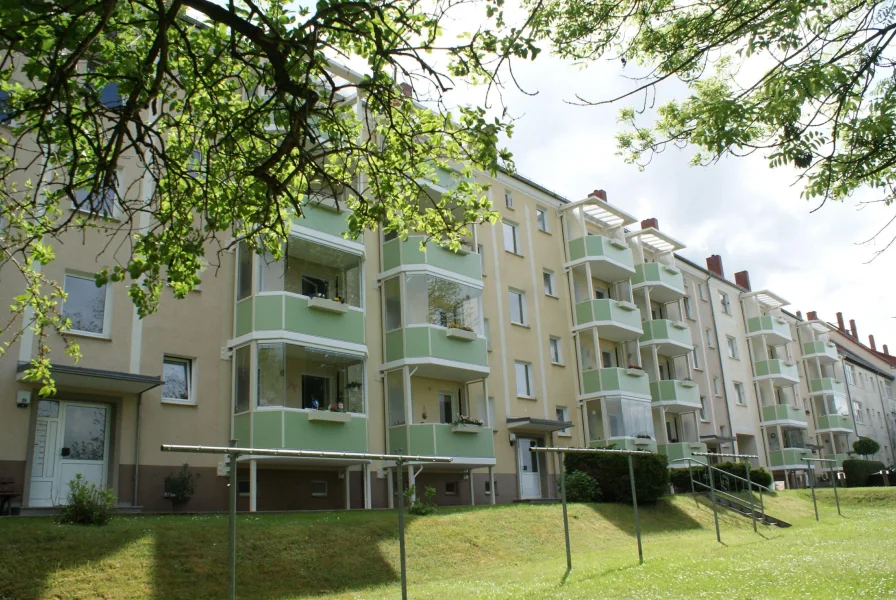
(321, 302)
(465, 424)
(461, 332)
(635, 370)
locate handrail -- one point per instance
(746, 503)
(690, 460)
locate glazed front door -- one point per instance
(527, 468)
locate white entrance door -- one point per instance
(527, 467)
(70, 438)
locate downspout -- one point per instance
(137, 449)
(743, 316)
(883, 408)
(715, 326)
(799, 343)
(852, 409)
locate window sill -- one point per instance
(523, 325)
(512, 253)
(698, 368)
(87, 334)
(531, 398)
(705, 421)
(545, 231)
(552, 296)
(564, 435)
(179, 402)
(690, 318)
(558, 364)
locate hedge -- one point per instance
(581, 487)
(681, 479)
(611, 473)
(858, 472)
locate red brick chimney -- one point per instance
(742, 278)
(651, 222)
(406, 89)
(599, 194)
(852, 328)
(840, 324)
(871, 340)
(799, 314)
(714, 264)
(886, 350)
(811, 316)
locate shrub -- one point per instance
(179, 487)
(858, 472)
(681, 478)
(865, 446)
(581, 487)
(420, 506)
(757, 474)
(87, 504)
(611, 473)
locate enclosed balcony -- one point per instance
(779, 372)
(784, 413)
(398, 253)
(671, 338)
(789, 458)
(832, 414)
(833, 423)
(787, 447)
(826, 385)
(616, 320)
(623, 423)
(665, 282)
(675, 395)
(616, 382)
(775, 329)
(824, 352)
(321, 214)
(610, 259)
(675, 452)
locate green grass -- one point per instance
(491, 552)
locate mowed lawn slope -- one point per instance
(490, 552)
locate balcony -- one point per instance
(398, 253)
(611, 260)
(675, 395)
(616, 320)
(665, 282)
(779, 372)
(616, 382)
(286, 311)
(678, 450)
(626, 443)
(792, 415)
(833, 423)
(439, 352)
(837, 457)
(671, 338)
(443, 439)
(789, 458)
(824, 352)
(300, 429)
(324, 218)
(775, 329)
(826, 385)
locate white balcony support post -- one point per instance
(491, 484)
(408, 400)
(412, 482)
(604, 420)
(472, 488)
(348, 492)
(368, 504)
(253, 485)
(586, 426)
(390, 485)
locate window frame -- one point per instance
(191, 399)
(549, 279)
(542, 223)
(530, 379)
(733, 351)
(105, 334)
(701, 291)
(725, 301)
(741, 392)
(325, 493)
(695, 358)
(452, 484)
(562, 414)
(508, 198)
(716, 387)
(702, 411)
(688, 310)
(515, 237)
(554, 341)
(709, 337)
(522, 306)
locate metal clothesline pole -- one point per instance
(812, 481)
(233, 453)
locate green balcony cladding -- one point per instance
(678, 450)
(820, 349)
(657, 274)
(397, 253)
(824, 422)
(613, 379)
(626, 443)
(776, 368)
(597, 247)
(666, 332)
(769, 325)
(783, 412)
(421, 341)
(299, 430)
(673, 390)
(324, 219)
(608, 311)
(441, 439)
(290, 312)
(826, 385)
(788, 457)
(837, 457)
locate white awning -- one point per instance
(767, 298)
(656, 241)
(602, 212)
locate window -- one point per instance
(548, 277)
(488, 335)
(524, 383)
(241, 362)
(481, 250)
(688, 311)
(726, 303)
(446, 407)
(607, 359)
(85, 305)
(850, 374)
(451, 488)
(178, 376)
(392, 293)
(709, 337)
(4, 107)
(102, 204)
(541, 218)
(511, 237)
(888, 389)
(563, 415)
(703, 408)
(508, 198)
(695, 356)
(556, 350)
(716, 389)
(732, 347)
(244, 271)
(320, 489)
(488, 488)
(741, 395)
(517, 307)
(490, 408)
(243, 487)
(701, 289)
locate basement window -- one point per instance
(319, 489)
(451, 488)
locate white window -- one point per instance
(481, 252)
(102, 204)
(688, 311)
(888, 389)
(548, 277)
(695, 356)
(178, 376)
(524, 383)
(732, 347)
(517, 307)
(508, 198)
(701, 289)
(850, 375)
(490, 408)
(739, 392)
(488, 335)
(703, 408)
(726, 303)
(556, 350)
(451, 488)
(563, 415)
(243, 487)
(709, 337)
(716, 389)
(541, 218)
(511, 237)
(488, 488)
(320, 489)
(85, 305)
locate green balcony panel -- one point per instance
(679, 450)
(300, 430)
(675, 391)
(776, 368)
(833, 422)
(839, 458)
(302, 318)
(825, 351)
(826, 385)
(783, 412)
(242, 426)
(399, 252)
(626, 444)
(422, 341)
(769, 325)
(440, 439)
(620, 320)
(788, 457)
(325, 220)
(670, 337)
(660, 276)
(268, 312)
(616, 380)
(243, 317)
(598, 246)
